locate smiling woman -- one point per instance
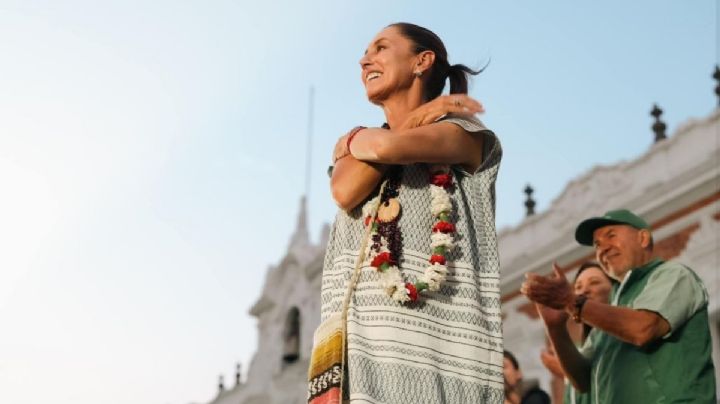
(410, 289)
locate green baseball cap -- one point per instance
(585, 230)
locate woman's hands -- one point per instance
(429, 112)
(341, 149)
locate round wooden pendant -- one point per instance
(388, 211)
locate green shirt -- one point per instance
(573, 396)
(675, 368)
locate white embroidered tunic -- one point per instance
(447, 347)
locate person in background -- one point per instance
(516, 391)
(593, 282)
(652, 343)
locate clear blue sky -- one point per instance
(152, 157)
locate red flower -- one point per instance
(367, 220)
(437, 259)
(441, 180)
(381, 259)
(444, 227)
(411, 291)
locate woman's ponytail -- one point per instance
(441, 71)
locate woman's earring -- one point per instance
(417, 73)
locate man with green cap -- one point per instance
(652, 344)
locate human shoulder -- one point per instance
(674, 292)
(491, 150)
(673, 266)
(673, 271)
(468, 122)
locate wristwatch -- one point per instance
(577, 307)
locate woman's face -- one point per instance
(388, 65)
(593, 283)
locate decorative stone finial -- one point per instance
(659, 126)
(238, 374)
(716, 76)
(529, 201)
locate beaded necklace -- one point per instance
(384, 252)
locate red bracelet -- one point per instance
(351, 136)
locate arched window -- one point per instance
(291, 336)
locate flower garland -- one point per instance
(384, 251)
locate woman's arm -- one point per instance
(551, 362)
(573, 364)
(440, 142)
(352, 180)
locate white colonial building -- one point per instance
(675, 186)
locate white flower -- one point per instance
(439, 239)
(440, 200)
(369, 206)
(436, 269)
(400, 295)
(437, 192)
(390, 278)
(434, 276)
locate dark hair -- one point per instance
(588, 264)
(426, 40)
(511, 358)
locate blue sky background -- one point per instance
(152, 157)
